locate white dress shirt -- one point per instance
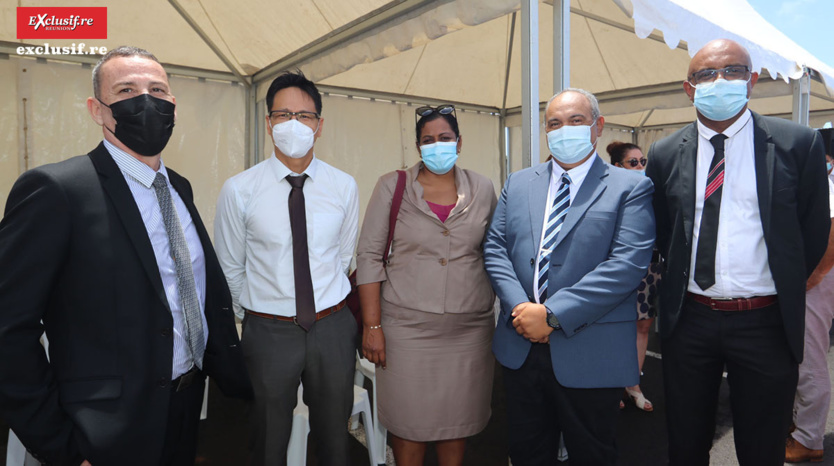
(577, 177)
(254, 241)
(139, 178)
(741, 266)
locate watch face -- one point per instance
(552, 321)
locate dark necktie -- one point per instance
(555, 219)
(305, 302)
(708, 235)
(185, 274)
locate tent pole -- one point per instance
(801, 99)
(561, 45)
(529, 82)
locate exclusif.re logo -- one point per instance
(62, 22)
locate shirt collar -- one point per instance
(733, 129)
(577, 173)
(282, 171)
(134, 168)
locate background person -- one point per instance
(428, 314)
(629, 156)
(813, 391)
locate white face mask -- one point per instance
(293, 138)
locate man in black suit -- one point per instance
(115, 265)
(741, 202)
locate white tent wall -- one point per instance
(368, 138)
(207, 145)
(9, 128)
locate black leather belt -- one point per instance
(185, 380)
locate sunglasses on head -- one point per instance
(441, 109)
(634, 162)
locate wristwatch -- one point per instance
(552, 321)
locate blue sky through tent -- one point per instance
(807, 22)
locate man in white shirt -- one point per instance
(107, 254)
(741, 203)
(286, 231)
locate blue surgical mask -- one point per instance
(570, 144)
(440, 157)
(828, 166)
(721, 100)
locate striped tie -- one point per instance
(558, 211)
(194, 333)
(708, 234)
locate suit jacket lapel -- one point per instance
(590, 190)
(538, 201)
(114, 184)
(765, 158)
(687, 168)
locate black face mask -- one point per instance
(143, 123)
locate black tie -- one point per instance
(708, 235)
(305, 302)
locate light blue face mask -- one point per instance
(570, 144)
(440, 157)
(828, 167)
(721, 100)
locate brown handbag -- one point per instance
(352, 298)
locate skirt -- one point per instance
(439, 375)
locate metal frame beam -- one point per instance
(801, 99)
(365, 24)
(529, 82)
(561, 45)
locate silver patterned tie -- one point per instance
(185, 275)
(555, 219)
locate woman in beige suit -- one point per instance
(427, 314)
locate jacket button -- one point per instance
(443, 262)
(446, 233)
(163, 382)
(532, 262)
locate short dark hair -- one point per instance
(121, 51)
(617, 150)
(293, 79)
(453, 122)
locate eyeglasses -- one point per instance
(730, 73)
(281, 116)
(634, 162)
(441, 109)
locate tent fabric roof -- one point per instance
(698, 22)
(466, 51)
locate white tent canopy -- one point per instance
(384, 55)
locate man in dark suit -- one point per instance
(741, 202)
(569, 242)
(115, 265)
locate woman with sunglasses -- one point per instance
(427, 313)
(630, 157)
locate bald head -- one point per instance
(718, 54)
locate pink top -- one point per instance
(442, 211)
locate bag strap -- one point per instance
(395, 210)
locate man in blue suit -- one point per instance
(569, 242)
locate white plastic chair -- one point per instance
(297, 449)
(366, 370)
